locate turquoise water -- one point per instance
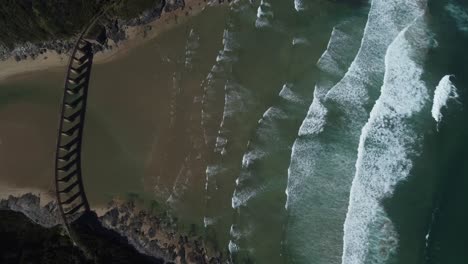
(291, 131)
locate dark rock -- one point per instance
(172, 5)
(25, 242)
(151, 232)
(113, 215)
(105, 245)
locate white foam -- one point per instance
(181, 183)
(329, 61)
(223, 57)
(233, 248)
(300, 41)
(272, 113)
(322, 165)
(210, 174)
(316, 117)
(460, 14)
(230, 40)
(264, 14)
(251, 156)
(302, 163)
(289, 95)
(385, 146)
(385, 21)
(242, 196)
(220, 145)
(236, 99)
(429, 231)
(236, 233)
(207, 221)
(443, 92)
(299, 5)
(216, 78)
(193, 43)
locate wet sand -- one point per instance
(28, 120)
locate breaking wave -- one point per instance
(324, 155)
(443, 92)
(264, 14)
(388, 142)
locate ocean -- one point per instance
(284, 131)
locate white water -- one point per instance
(324, 154)
(207, 221)
(331, 60)
(287, 94)
(443, 92)
(299, 5)
(333, 63)
(429, 231)
(236, 100)
(264, 14)
(242, 196)
(316, 117)
(220, 86)
(184, 176)
(386, 19)
(215, 82)
(300, 41)
(193, 43)
(386, 146)
(312, 199)
(254, 187)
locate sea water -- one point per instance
(282, 131)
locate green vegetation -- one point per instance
(41, 20)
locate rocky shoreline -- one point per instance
(156, 234)
(109, 32)
(151, 234)
(113, 29)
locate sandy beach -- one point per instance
(136, 36)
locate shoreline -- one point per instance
(135, 36)
(151, 232)
(39, 205)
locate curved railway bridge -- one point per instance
(69, 188)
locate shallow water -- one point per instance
(285, 131)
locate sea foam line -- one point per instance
(386, 144)
(328, 63)
(191, 47)
(320, 168)
(313, 124)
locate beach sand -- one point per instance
(136, 36)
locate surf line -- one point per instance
(384, 149)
